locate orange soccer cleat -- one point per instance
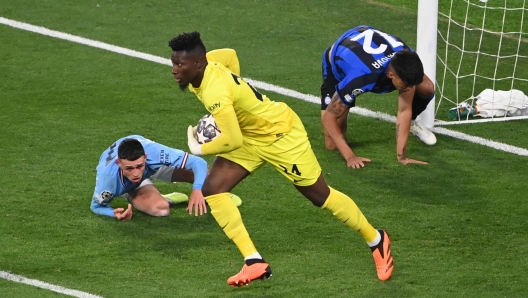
(249, 274)
(383, 257)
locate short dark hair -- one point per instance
(408, 66)
(130, 149)
(189, 42)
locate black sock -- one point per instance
(250, 262)
(380, 244)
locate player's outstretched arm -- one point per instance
(403, 126)
(101, 209)
(119, 213)
(335, 110)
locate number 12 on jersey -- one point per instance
(368, 35)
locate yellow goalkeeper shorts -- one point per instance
(291, 155)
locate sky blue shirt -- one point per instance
(111, 183)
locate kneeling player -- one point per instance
(363, 60)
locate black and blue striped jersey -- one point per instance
(358, 61)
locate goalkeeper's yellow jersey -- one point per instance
(260, 120)
(226, 57)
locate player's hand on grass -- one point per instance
(197, 203)
(356, 162)
(407, 161)
(122, 214)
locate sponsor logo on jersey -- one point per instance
(380, 62)
(211, 108)
(164, 157)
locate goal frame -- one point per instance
(426, 48)
(427, 33)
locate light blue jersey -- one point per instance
(111, 183)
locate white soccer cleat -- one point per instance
(422, 133)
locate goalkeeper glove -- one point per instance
(193, 144)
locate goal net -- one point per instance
(481, 44)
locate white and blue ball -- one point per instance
(206, 130)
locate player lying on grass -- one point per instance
(363, 60)
(126, 169)
(256, 130)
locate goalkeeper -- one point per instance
(255, 131)
(126, 169)
(363, 60)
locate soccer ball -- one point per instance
(206, 130)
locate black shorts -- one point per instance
(419, 105)
(329, 81)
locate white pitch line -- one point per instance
(40, 284)
(481, 141)
(482, 120)
(258, 84)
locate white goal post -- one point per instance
(470, 46)
(426, 49)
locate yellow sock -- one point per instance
(228, 217)
(344, 208)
